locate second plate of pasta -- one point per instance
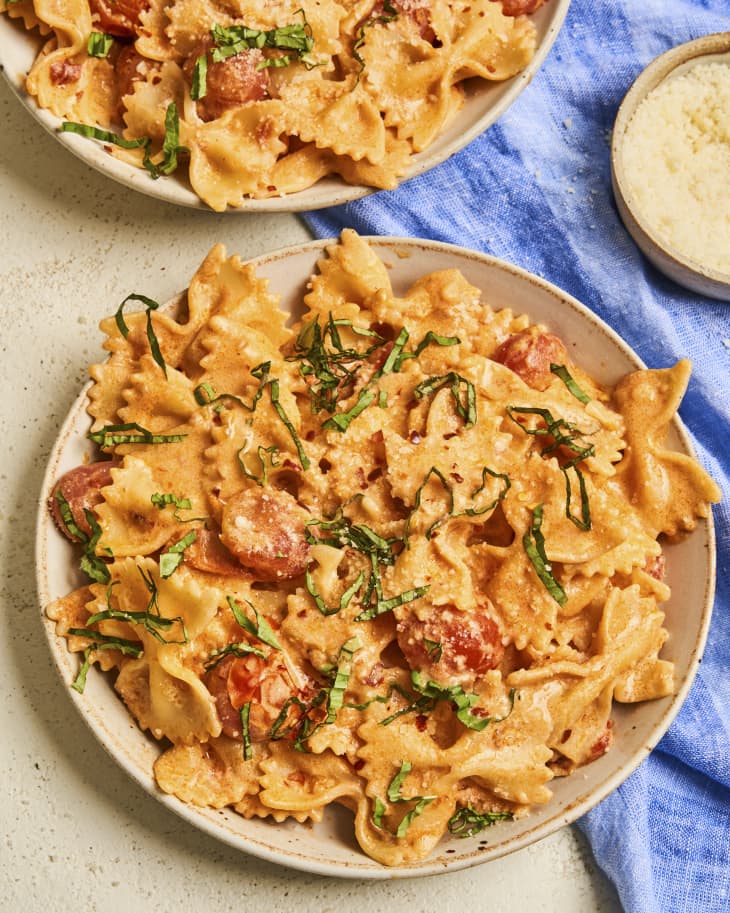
(379, 541)
(274, 107)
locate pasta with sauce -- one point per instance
(265, 99)
(402, 556)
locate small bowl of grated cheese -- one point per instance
(670, 164)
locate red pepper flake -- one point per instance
(63, 72)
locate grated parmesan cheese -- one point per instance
(677, 161)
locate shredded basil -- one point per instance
(104, 642)
(564, 434)
(330, 368)
(162, 500)
(396, 355)
(91, 564)
(333, 368)
(466, 405)
(417, 503)
(386, 605)
(296, 37)
(394, 796)
(468, 512)
(199, 86)
(152, 611)
(262, 373)
(111, 435)
(332, 697)
(463, 701)
(238, 649)
(205, 394)
(128, 648)
(99, 44)
(427, 695)
(434, 649)
(303, 726)
(562, 372)
(261, 629)
(341, 421)
(432, 338)
(336, 693)
(345, 599)
(342, 533)
(533, 542)
(467, 822)
(507, 484)
(583, 522)
(390, 13)
(245, 712)
(152, 338)
(173, 557)
(154, 623)
(261, 453)
(170, 147)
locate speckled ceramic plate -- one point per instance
(329, 847)
(484, 104)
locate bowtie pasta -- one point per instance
(401, 556)
(265, 99)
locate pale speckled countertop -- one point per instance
(76, 833)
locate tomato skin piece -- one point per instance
(451, 647)
(529, 354)
(81, 488)
(263, 683)
(601, 745)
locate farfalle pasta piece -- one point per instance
(295, 783)
(233, 158)
(164, 408)
(212, 773)
(366, 559)
(671, 489)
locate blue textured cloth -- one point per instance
(535, 190)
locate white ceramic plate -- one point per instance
(484, 104)
(329, 847)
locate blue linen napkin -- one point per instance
(535, 190)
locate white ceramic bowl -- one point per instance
(686, 271)
(329, 847)
(485, 102)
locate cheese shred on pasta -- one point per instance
(268, 98)
(395, 557)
